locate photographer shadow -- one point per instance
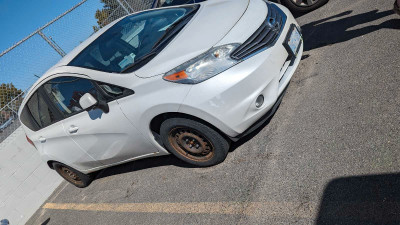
(373, 199)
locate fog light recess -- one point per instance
(259, 101)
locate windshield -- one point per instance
(129, 40)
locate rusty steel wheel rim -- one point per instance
(191, 144)
(70, 176)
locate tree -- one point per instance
(107, 14)
(103, 14)
(112, 10)
(7, 93)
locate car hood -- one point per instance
(211, 23)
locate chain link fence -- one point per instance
(23, 63)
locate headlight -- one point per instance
(204, 66)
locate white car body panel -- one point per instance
(165, 97)
(100, 138)
(225, 101)
(249, 22)
(53, 147)
(226, 107)
(107, 137)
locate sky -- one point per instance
(19, 18)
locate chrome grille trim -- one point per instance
(265, 36)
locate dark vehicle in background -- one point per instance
(166, 3)
(302, 6)
(296, 6)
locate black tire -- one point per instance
(302, 9)
(72, 175)
(194, 142)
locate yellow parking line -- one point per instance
(294, 209)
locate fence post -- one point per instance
(129, 6)
(56, 48)
(122, 5)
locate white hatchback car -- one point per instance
(185, 80)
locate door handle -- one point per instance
(73, 129)
(42, 139)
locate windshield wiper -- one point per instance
(174, 29)
(140, 61)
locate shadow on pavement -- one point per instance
(46, 221)
(323, 32)
(169, 159)
(142, 164)
(242, 141)
(360, 200)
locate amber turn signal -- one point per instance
(176, 76)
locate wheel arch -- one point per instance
(50, 164)
(156, 122)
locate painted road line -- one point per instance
(293, 209)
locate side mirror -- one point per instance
(88, 102)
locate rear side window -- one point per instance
(42, 114)
(27, 120)
(65, 93)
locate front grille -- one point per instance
(265, 36)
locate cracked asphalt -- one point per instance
(329, 155)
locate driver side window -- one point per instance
(59, 98)
(65, 92)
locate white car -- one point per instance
(185, 80)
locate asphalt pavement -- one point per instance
(329, 155)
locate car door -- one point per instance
(107, 137)
(45, 129)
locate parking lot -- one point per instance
(329, 155)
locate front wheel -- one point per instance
(303, 6)
(194, 142)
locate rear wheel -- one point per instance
(194, 142)
(303, 6)
(73, 176)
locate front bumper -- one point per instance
(227, 100)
